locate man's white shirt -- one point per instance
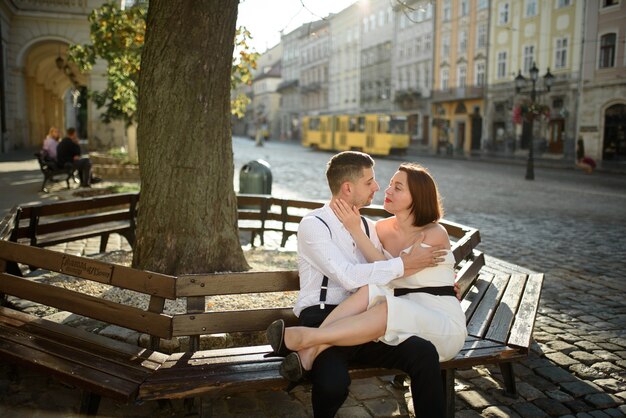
(338, 258)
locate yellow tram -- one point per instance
(376, 134)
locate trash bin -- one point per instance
(255, 177)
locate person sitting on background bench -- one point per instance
(68, 151)
(50, 144)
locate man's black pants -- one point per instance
(83, 166)
(416, 357)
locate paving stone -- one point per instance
(529, 410)
(622, 408)
(521, 370)
(611, 385)
(578, 405)
(353, 412)
(621, 341)
(606, 355)
(559, 396)
(474, 399)
(598, 414)
(587, 345)
(498, 412)
(562, 346)
(386, 407)
(603, 400)
(551, 406)
(467, 373)
(555, 374)
(587, 372)
(607, 367)
(561, 359)
(485, 383)
(585, 357)
(540, 383)
(613, 412)
(621, 394)
(580, 388)
(528, 392)
(367, 389)
(467, 413)
(621, 354)
(538, 362)
(610, 346)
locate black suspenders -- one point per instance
(324, 288)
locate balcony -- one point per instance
(54, 6)
(458, 93)
(288, 84)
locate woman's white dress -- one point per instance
(438, 319)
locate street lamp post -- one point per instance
(520, 82)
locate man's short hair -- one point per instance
(71, 131)
(346, 166)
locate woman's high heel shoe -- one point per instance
(291, 368)
(276, 337)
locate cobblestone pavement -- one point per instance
(567, 224)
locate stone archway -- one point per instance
(49, 79)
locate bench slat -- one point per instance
(503, 318)
(92, 342)
(70, 224)
(522, 329)
(76, 205)
(472, 298)
(93, 307)
(479, 322)
(121, 276)
(230, 321)
(126, 370)
(467, 275)
(237, 283)
(69, 371)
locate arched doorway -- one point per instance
(51, 87)
(614, 145)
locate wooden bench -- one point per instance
(500, 301)
(99, 365)
(50, 169)
(48, 224)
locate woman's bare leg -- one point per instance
(353, 305)
(347, 331)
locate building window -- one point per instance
(447, 10)
(464, 9)
(461, 76)
(503, 14)
(480, 74)
(609, 3)
(481, 37)
(462, 42)
(427, 43)
(418, 46)
(607, 50)
(483, 4)
(563, 3)
(531, 8)
(445, 47)
(501, 65)
(444, 79)
(560, 55)
(529, 58)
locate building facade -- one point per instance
(545, 34)
(314, 67)
(345, 61)
(602, 111)
(460, 71)
(411, 68)
(40, 88)
(265, 95)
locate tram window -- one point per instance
(314, 124)
(383, 124)
(397, 125)
(353, 124)
(361, 123)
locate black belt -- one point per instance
(437, 291)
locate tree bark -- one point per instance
(187, 221)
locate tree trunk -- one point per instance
(187, 220)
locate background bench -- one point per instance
(500, 302)
(49, 169)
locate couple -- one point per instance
(381, 293)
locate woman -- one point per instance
(50, 144)
(423, 304)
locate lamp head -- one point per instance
(548, 79)
(534, 72)
(520, 81)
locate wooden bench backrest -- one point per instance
(34, 220)
(158, 286)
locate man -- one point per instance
(331, 268)
(68, 151)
